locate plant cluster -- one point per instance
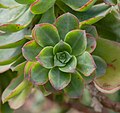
(58, 47)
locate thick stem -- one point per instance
(75, 105)
(104, 100)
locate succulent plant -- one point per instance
(58, 46)
(59, 55)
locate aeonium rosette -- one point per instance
(59, 54)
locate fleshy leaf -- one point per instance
(93, 15)
(91, 43)
(49, 87)
(79, 5)
(45, 34)
(14, 88)
(46, 57)
(77, 40)
(41, 6)
(17, 24)
(59, 79)
(17, 101)
(91, 30)
(76, 86)
(111, 26)
(18, 63)
(9, 3)
(11, 14)
(70, 66)
(30, 50)
(88, 79)
(57, 62)
(96, 13)
(86, 64)
(63, 57)
(25, 1)
(44, 91)
(19, 67)
(4, 68)
(27, 69)
(38, 74)
(110, 52)
(101, 66)
(66, 23)
(12, 39)
(7, 56)
(48, 17)
(62, 46)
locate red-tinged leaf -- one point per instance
(77, 40)
(45, 34)
(38, 74)
(30, 50)
(66, 23)
(27, 70)
(91, 43)
(76, 86)
(46, 58)
(59, 79)
(41, 6)
(110, 52)
(86, 64)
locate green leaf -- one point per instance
(49, 87)
(19, 67)
(91, 43)
(59, 79)
(11, 14)
(110, 52)
(41, 6)
(48, 17)
(77, 40)
(62, 46)
(57, 62)
(16, 22)
(9, 40)
(111, 2)
(111, 26)
(101, 66)
(17, 101)
(27, 70)
(4, 68)
(70, 67)
(7, 56)
(79, 5)
(88, 79)
(3, 6)
(44, 91)
(9, 3)
(93, 15)
(4, 108)
(91, 30)
(18, 63)
(45, 34)
(30, 50)
(38, 74)
(63, 57)
(25, 1)
(76, 86)
(96, 13)
(86, 64)
(14, 88)
(66, 23)
(46, 57)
